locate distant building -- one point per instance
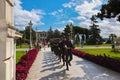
(42, 35)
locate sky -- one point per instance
(58, 13)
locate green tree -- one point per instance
(57, 33)
(67, 30)
(27, 33)
(80, 30)
(50, 34)
(94, 34)
(21, 40)
(110, 10)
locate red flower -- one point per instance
(101, 60)
(25, 63)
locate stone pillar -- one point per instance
(8, 35)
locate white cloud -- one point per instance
(85, 23)
(60, 10)
(72, 3)
(65, 22)
(22, 16)
(87, 8)
(61, 22)
(58, 13)
(60, 29)
(54, 13)
(81, 18)
(109, 26)
(69, 5)
(70, 21)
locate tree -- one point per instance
(50, 34)
(110, 10)
(80, 30)
(67, 30)
(21, 40)
(57, 33)
(27, 33)
(94, 32)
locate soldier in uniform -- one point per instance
(62, 48)
(68, 46)
(39, 45)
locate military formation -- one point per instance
(62, 48)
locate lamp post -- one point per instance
(36, 35)
(30, 25)
(71, 34)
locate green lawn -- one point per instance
(23, 46)
(19, 54)
(78, 45)
(100, 45)
(108, 52)
(106, 45)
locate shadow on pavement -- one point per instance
(96, 72)
(61, 75)
(53, 68)
(52, 64)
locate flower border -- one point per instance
(23, 66)
(101, 60)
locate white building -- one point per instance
(42, 35)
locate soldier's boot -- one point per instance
(69, 63)
(67, 68)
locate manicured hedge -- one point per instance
(101, 60)
(23, 66)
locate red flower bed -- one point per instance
(23, 66)
(102, 60)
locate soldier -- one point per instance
(62, 48)
(39, 45)
(68, 46)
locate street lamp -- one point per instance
(36, 35)
(71, 34)
(30, 25)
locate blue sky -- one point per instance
(59, 13)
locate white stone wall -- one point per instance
(7, 57)
(7, 41)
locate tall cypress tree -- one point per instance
(50, 34)
(94, 32)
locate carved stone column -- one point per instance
(8, 35)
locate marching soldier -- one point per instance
(68, 46)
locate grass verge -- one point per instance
(19, 54)
(107, 52)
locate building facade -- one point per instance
(42, 36)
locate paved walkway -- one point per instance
(22, 49)
(46, 67)
(84, 47)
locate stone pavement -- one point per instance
(47, 67)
